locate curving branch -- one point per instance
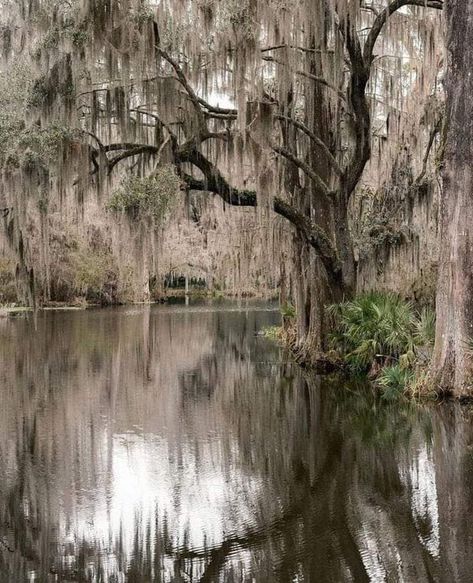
(382, 18)
(216, 183)
(129, 153)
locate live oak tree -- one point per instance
(263, 103)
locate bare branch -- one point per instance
(435, 130)
(315, 78)
(323, 146)
(308, 171)
(183, 81)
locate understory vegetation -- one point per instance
(379, 337)
(383, 336)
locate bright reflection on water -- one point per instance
(176, 444)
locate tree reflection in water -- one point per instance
(174, 444)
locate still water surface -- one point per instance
(176, 444)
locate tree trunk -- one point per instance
(452, 365)
(316, 287)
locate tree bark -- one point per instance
(452, 364)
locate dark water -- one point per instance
(174, 444)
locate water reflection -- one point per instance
(174, 444)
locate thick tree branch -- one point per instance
(215, 109)
(216, 183)
(361, 119)
(130, 153)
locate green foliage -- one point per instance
(383, 334)
(272, 332)
(8, 291)
(92, 274)
(394, 381)
(68, 30)
(41, 146)
(424, 334)
(150, 196)
(21, 145)
(373, 326)
(288, 310)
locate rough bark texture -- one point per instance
(452, 362)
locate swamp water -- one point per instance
(176, 444)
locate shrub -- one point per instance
(394, 381)
(8, 291)
(272, 332)
(288, 310)
(424, 334)
(373, 326)
(382, 334)
(95, 275)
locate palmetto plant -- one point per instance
(374, 327)
(384, 333)
(393, 381)
(424, 334)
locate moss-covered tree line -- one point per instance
(323, 122)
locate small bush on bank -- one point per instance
(394, 380)
(288, 310)
(95, 275)
(382, 335)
